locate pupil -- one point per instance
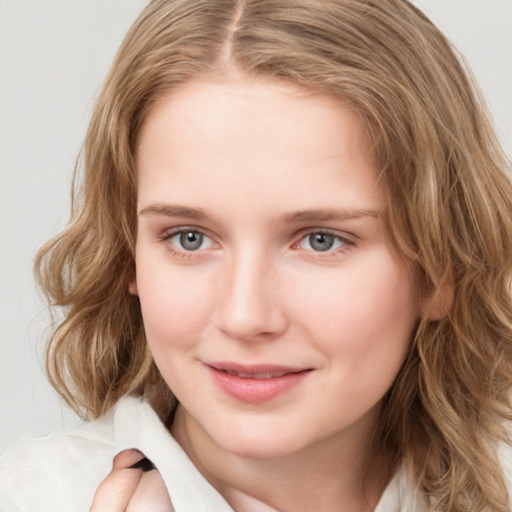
(321, 241)
(191, 240)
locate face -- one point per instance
(273, 306)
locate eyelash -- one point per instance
(182, 254)
(346, 243)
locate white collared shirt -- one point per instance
(60, 472)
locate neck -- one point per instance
(332, 475)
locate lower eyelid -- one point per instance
(346, 242)
(169, 235)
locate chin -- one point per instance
(258, 443)
(263, 451)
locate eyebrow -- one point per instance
(317, 215)
(329, 215)
(171, 210)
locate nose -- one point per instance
(251, 306)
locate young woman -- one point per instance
(287, 277)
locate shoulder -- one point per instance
(61, 472)
(57, 472)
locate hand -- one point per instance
(129, 489)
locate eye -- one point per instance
(189, 240)
(322, 241)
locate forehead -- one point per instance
(263, 138)
(213, 107)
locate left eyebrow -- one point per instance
(329, 215)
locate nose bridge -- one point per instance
(249, 305)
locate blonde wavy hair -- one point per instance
(449, 212)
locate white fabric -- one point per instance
(60, 472)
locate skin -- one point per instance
(131, 490)
(254, 167)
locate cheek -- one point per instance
(175, 305)
(362, 311)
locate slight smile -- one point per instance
(255, 384)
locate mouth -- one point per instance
(255, 371)
(255, 383)
(259, 375)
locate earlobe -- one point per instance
(132, 287)
(439, 304)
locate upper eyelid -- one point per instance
(187, 227)
(343, 235)
(297, 237)
(169, 232)
(347, 245)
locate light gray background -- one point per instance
(53, 57)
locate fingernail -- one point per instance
(144, 464)
(123, 458)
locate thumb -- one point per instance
(115, 492)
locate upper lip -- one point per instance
(273, 370)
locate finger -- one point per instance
(151, 494)
(143, 464)
(115, 492)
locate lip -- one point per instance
(255, 383)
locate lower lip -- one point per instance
(255, 391)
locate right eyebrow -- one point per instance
(174, 210)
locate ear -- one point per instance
(132, 287)
(438, 304)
